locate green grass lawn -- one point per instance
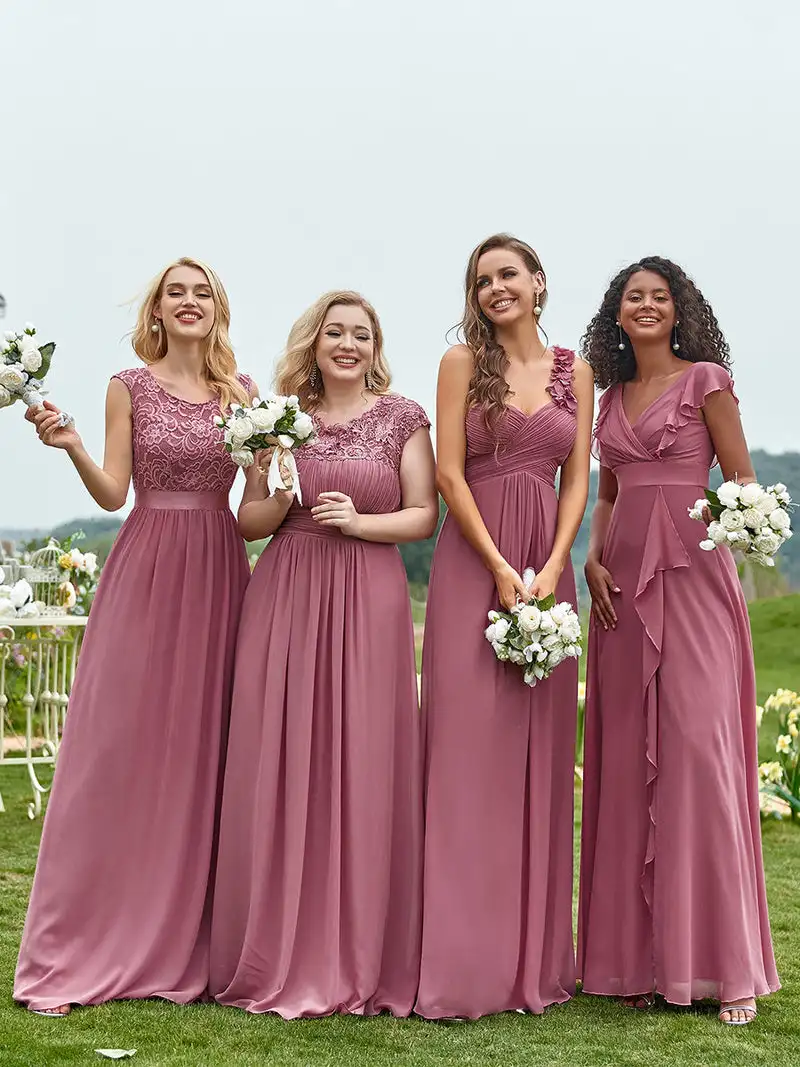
(589, 1032)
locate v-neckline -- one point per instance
(644, 411)
(526, 415)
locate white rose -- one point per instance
(751, 494)
(696, 511)
(728, 494)
(732, 520)
(738, 538)
(285, 441)
(717, 533)
(707, 546)
(779, 520)
(262, 419)
(551, 641)
(242, 457)
(10, 336)
(761, 559)
(5, 397)
(515, 656)
(489, 633)
(242, 428)
(528, 618)
(546, 624)
(292, 402)
(767, 503)
(275, 410)
(219, 422)
(556, 657)
(767, 542)
(13, 377)
(90, 563)
(303, 425)
(32, 361)
(501, 628)
(753, 518)
(777, 488)
(561, 613)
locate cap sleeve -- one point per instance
(409, 417)
(699, 382)
(603, 408)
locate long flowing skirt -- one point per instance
(120, 901)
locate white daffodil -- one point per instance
(784, 744)
(771, 772)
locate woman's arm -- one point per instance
(419, 509)
(598, 578)
(455, 373)
(721, 413)
(108, 484)
(573, 488)
(260, 515)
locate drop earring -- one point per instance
(314, 378)
(621, 345)
(537, 307)
(369, 381)
(156, 328)
(675, 342)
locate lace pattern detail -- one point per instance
(380, 434)
(560, 387)
(176, 446)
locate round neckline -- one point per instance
(355, 418)
(180, 399)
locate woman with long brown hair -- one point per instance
(317, 900)
(119, 907)
(512, 414)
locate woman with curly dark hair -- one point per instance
(672, 885)
(511, 414)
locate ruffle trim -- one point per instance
(560, 387)
(701, 380)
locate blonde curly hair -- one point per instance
(294, 374)
(220, 362)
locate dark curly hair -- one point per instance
(488, 386)
(701, 339)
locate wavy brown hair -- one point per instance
(220, 362)
(293, 375)
(488, 386)
(701, 339)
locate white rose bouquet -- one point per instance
(536, 636)
(275, 422)
(23, 366)
(748, 517)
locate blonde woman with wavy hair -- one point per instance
(317, 896)
(119, 902)
(512, 416)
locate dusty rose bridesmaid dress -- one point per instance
(120, 901)
(672, 886)
(317, 902)
(497, 906)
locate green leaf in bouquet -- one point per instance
(714, 505)
(546, 602)
(46, 352)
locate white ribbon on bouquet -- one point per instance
(275, 480)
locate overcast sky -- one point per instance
(304, 146)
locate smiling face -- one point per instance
(186, 306)
(506, 289)
(647, 312)
(345, 344)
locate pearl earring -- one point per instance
(675, 342)
(537, 308)
(155, 327)
(621, 345)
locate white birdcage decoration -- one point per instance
(47, 580)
